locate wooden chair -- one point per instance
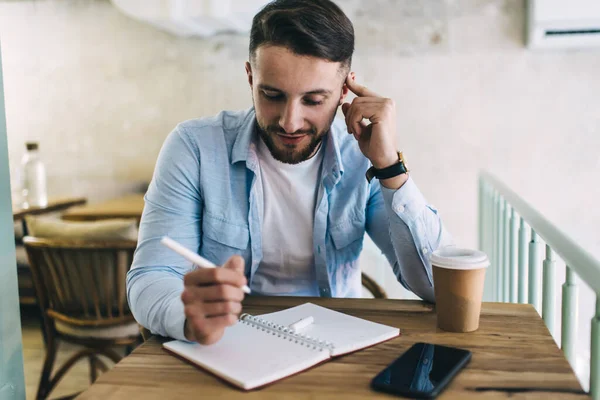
(26, 287)
(80, 287)
(373, 287)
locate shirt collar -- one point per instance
(333, 168)
(244, 138)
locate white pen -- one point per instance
(192, 257)
(301, 324)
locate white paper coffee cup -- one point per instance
(458, 278)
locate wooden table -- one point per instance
(513, 356)
(54, 204)
(130, 206)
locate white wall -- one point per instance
(101, 92)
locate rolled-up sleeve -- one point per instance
(173, 207)
(414, 231)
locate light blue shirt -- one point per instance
(205, 195)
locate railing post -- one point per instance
(506, 250)
(498, 247)
(548, 290)
(569, 316)
(522, 262)
(493, 234)
(481, 213)
(487, 219)
(534, 276)
(488, 240)
(490, 222)
(514, 244)
(595, 353)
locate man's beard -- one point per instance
(290, 154)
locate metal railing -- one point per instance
(509, 229)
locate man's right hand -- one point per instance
(213, 300)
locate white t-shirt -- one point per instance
(289, 195)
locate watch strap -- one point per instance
(389, 172)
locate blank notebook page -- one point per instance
(347, 333)
(249, 357)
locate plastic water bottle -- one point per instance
(34, 178)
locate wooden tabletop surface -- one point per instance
(54, 204)
(130, 206)
(513, 356)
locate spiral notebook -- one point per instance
(258, 350)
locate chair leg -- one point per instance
(128, 349)
(110, 353)
(93, 371)
(100, 365)
(44, 386)
(47, 384)
(66, 367)
(40, 318)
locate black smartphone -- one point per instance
(422, 372)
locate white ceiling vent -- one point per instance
(193, 17)
(563, 24)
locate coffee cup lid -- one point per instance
(451, 257)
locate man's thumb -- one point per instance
(345, 108)
(236, 263)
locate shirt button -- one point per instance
(425, 251)
(400, 209)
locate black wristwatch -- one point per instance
(389, 172)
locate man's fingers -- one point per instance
(235, 263)
(209, 276)
(212, 293)
(359, 89)
(210, 330)
(359, 111)
(214, 309)
(206, 325)
(212, 337)
(222, 308)
(345, 108)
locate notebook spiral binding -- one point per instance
(285, 333)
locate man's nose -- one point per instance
(291, 119)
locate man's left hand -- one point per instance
(377, 140)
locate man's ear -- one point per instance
(249, 73)
(345, 89)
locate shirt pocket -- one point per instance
(222, 239)
(347, 238)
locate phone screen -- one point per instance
(422, 371)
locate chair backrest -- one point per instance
(81, 282)
(373, 287)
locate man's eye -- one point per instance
(272, 96)
(312, 102)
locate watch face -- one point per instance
(402, 159)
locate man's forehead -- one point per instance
(278, 67)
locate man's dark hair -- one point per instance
(317, 28)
